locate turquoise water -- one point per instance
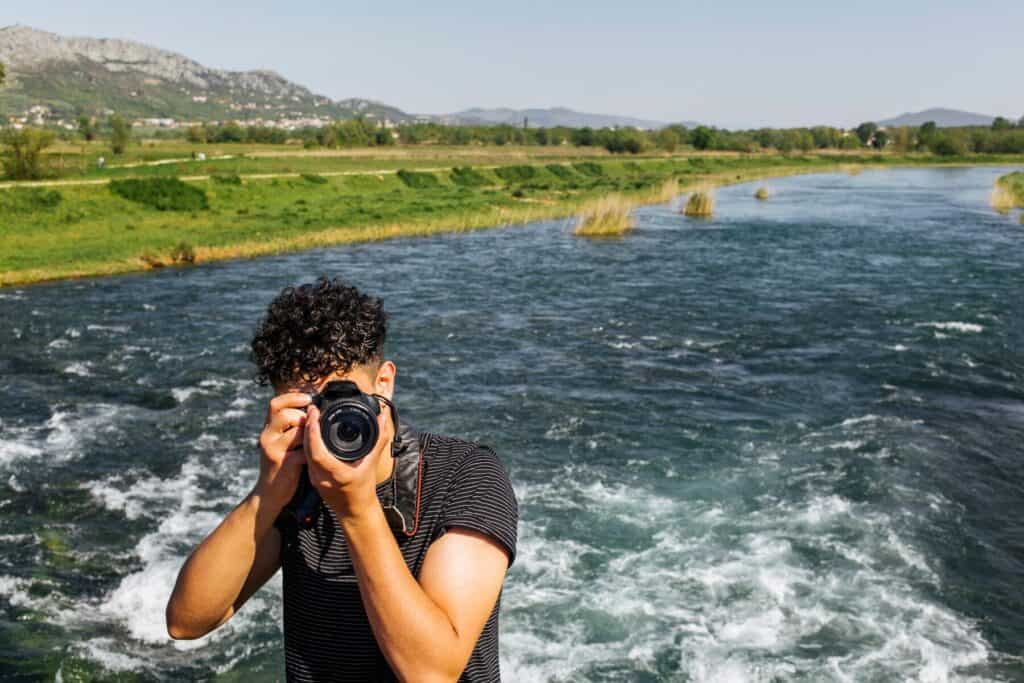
(784, 443)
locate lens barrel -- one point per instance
(348, 420)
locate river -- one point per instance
(784, 443)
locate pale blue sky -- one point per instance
(731, 63)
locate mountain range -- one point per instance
(943, 118)
(546, 118)
(71, 76)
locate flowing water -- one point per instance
(784, 443)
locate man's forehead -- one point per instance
(360, 374)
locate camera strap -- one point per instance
(401, 501)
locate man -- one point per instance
(397, 575)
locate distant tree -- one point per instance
(86, 128)
(622, 140)
(1020, 124)
(667, 139)
(382, 137)
(927, 135)
(583, 137)
(229, 132)
(22, 154)
(880, 140)
(903, 139)
(120, 134)
(3, 73)
(702, 137)
(949, 145)
(826, 136)
(866, 131)
(196, 135)
(1001, 123)
(850, 142)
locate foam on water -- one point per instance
(955, 326)
(729, 593)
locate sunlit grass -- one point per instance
(610, 216)
(701, 204)
(1008, 193)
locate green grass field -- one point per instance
(262, 205)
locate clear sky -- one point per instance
(731, 63)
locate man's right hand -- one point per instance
(281, 451)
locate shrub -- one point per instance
(23, 152)
(561, 172)
(589, 168)
(418, 181)
(762, 193)
(163, 194)
(28, 200)
(227, 178)
(314, 179)
(468, 177)
(516, 174)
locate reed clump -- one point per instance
(762, 193)
(701, 204)
(1001, 199)
(609, 216)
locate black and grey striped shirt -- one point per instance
(327, 633)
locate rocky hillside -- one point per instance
(63, 77)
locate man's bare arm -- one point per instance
(426, 630)
(243, 551)
(231, 564)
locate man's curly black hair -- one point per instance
(315, 329)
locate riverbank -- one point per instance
(79, 230)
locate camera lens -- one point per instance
(349, 430)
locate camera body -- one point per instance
(348, 419)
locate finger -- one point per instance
(286, 419)
(291, 399)
(295, 438)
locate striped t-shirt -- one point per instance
(327, 634)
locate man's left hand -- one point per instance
(349, 487)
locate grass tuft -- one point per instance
(609, 216)
(762, 193)
(701, 204)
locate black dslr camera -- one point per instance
(348, 419)
(348, 424)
